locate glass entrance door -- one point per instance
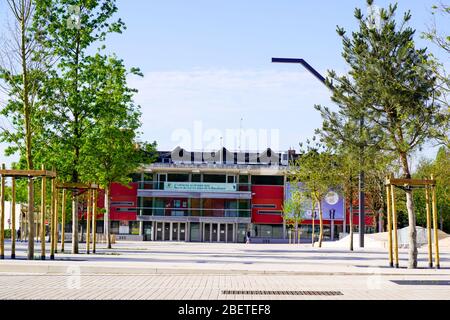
(230, 231)
(207, 232)
(215, 231)
(174, 231)
(182, 232)
(166, 231)
(222, 234)
(159, 231)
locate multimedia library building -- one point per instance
(214, 197)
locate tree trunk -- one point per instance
(107, 231)
(320, 224)
(380, 220)
(31, 227)
(412, 234)
(74, 223)
(351, 223)
(313, 227)
(296, 232)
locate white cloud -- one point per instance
(265, 99)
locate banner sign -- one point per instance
(332, 206)
(200, 186)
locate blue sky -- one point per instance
(207, 66)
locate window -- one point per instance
(196, 178)
(268, 231)
(243, 179)
(134, 227)
(135, 177)
(274, 212)
(214, 178)
(147, 204)
(114, 227)
(262, 206)
(268, 180)
(178, 177)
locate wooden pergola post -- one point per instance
(429, 237)
(2, 216)
(13, 218)
(63, 219)
(88, 217)
(394, 223)
(52, 224)
(94, 221)
(43, 209)
(55, 228)
(389, 222)
(435, 224)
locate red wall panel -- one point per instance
(267, 195)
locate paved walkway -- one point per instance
(158, 257)
(158, 270)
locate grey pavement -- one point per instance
(185, 271)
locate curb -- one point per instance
(110, 270)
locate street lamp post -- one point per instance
(316, 74)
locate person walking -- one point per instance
(248, 237)
(18, 235)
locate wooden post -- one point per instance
(37, 218)
(55, 228)
(52, 223)
(31, 228)
(94, 221)
(43, 205)
(435, 226)
(13, 218)
(394, 223)
(430, 245)
(74, 221)
(63, 219)
(389, 223)
(88, 217)
(2, 216)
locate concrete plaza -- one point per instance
(172, 270)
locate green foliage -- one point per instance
(316, 170)
(440, 169)
(435, 35)
(294, 207)
(388, 89)
(76, 85)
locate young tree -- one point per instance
(394, 84)
(110, 150)
(72, 30)
(316, 170)
(294, 209)
(22, 66)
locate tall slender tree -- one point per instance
(72, 30)
(111, 151)
(395, 86)
(23, 63)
